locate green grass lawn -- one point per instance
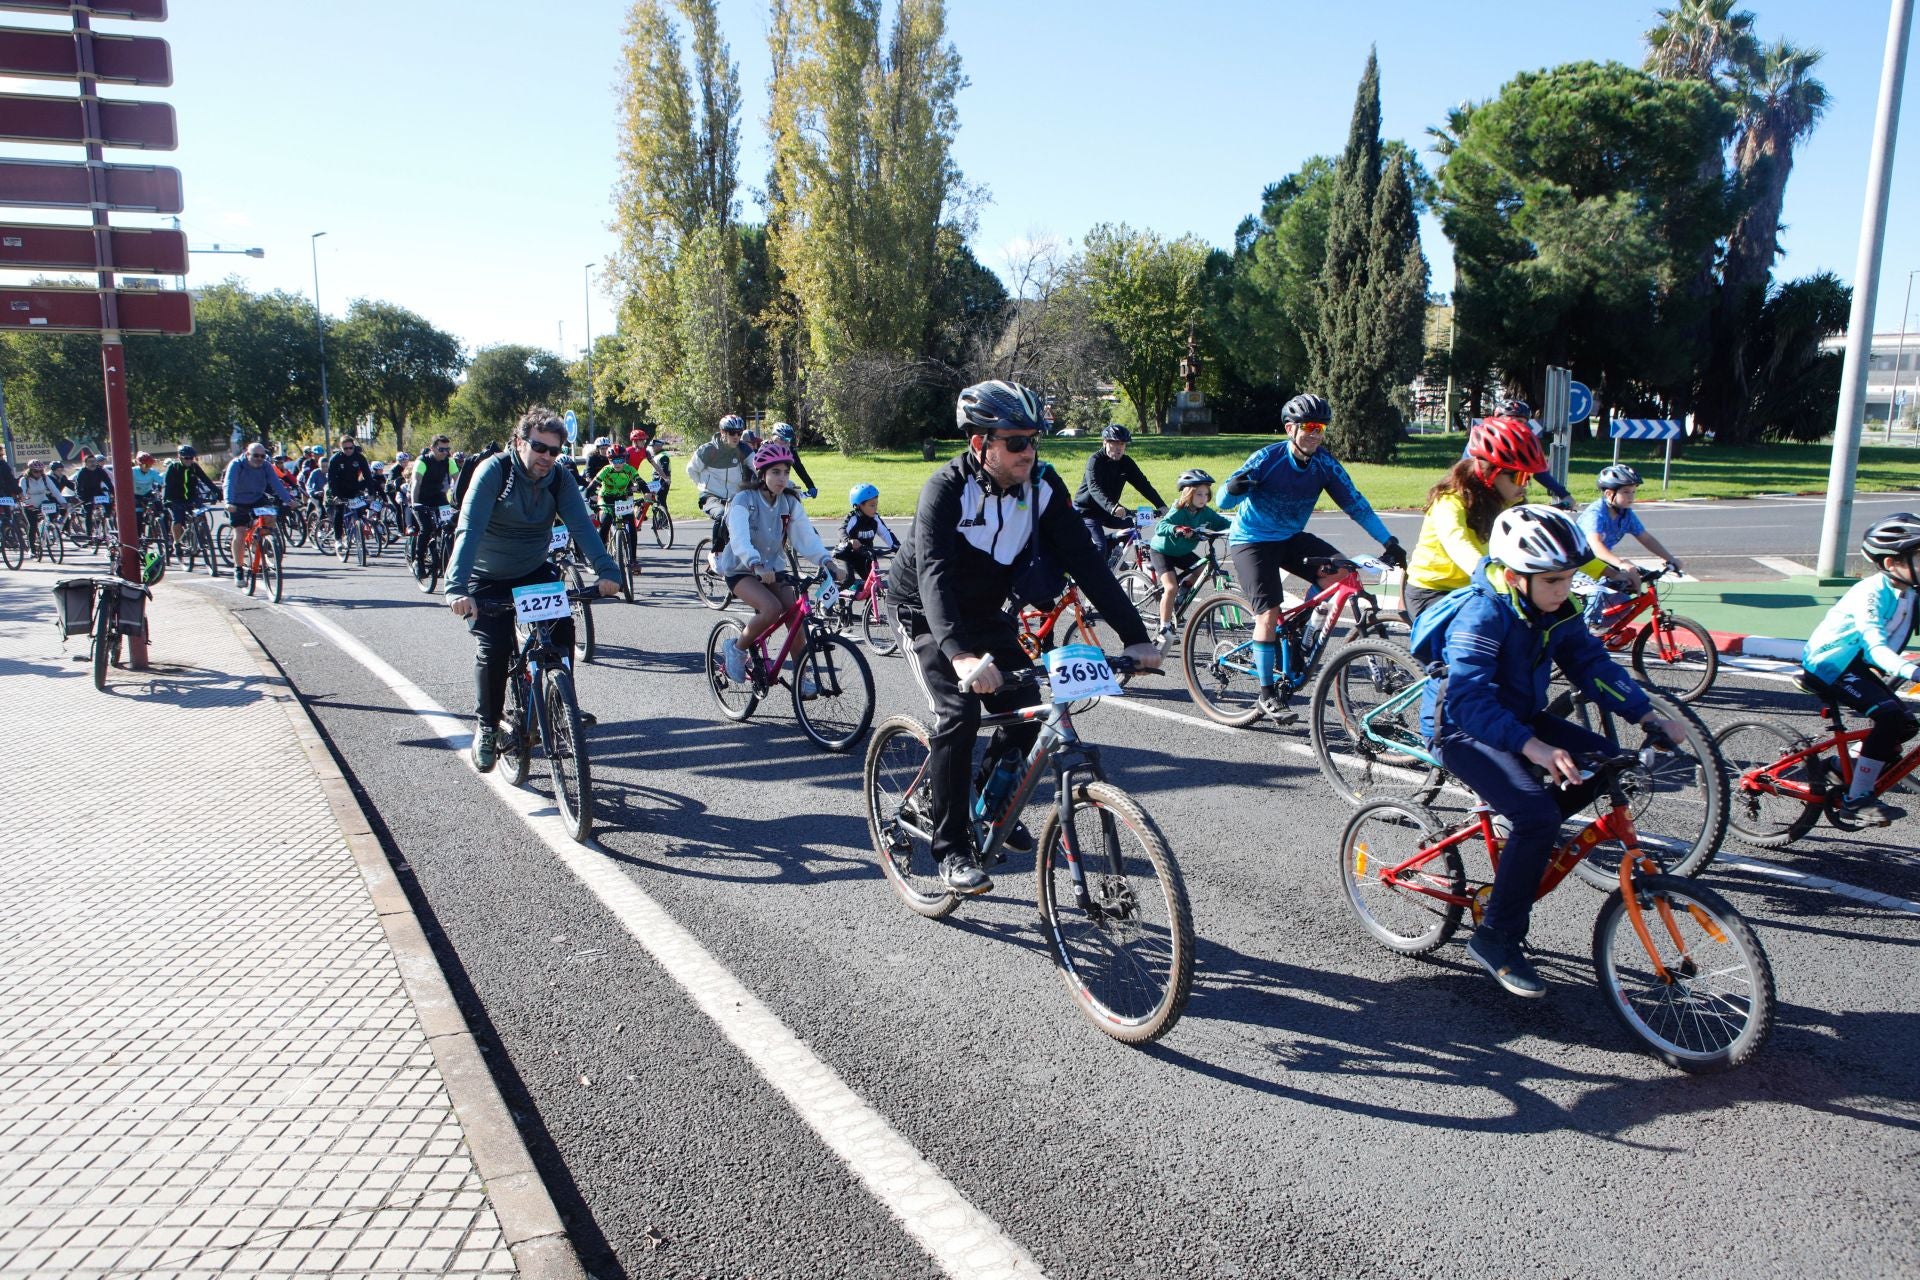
(1704, 473)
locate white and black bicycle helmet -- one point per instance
(1618, 476)
(1896, 535)
(997, 405)
(1188, 479)
(1537, 539)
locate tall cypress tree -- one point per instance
(1372, 290)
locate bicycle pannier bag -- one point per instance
(73, 598)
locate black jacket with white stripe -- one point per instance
(970, 539)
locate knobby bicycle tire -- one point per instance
(1758, 816)
(899, 816)
(1691, 799)
(1711, 1011)
(516, 753)
(1224, 693)
(567, 756)
(1699, 658)
(582, 617)
(1128, 962)
(839, 710)
(662, 523)
(1385, 833)
(1362, 676)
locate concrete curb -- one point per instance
(528, 1219)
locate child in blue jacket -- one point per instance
(1500, 640)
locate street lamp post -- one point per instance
(587, 292)
(1900, 356)
(320, 333)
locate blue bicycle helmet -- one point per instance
(784, 430)
(862, 493)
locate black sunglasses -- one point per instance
(1018, 444)
(550, 450)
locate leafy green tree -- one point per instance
(53, 386)
(1792, 386)
(1578, 211)
(264, 358)
(1146, 291)
(502, 383)
(396, 363)
(1364, 346)
(862, 125)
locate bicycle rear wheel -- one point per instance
(203, 534)
(1713, 1007)
(516, 729)
(1126, 953)
(841, 705)
(567, 756)
(1679, 808)
(1364, 720)
(103, 637)
(582, 617)
(1381, 836)
(736, 701)
(662, 525)
(1217, 658)
(900, 816)
(1758, 812)
(1676, 656)
(13, 541)
(253, 564)
(53, 544)
(1143, 593)
(708, 585)
(360, 541)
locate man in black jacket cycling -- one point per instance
(1109, 472)
(981, 519)
(348, 477)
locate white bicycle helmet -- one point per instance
(1537, 539)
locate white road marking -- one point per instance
(1784, 567)
(1841, 888)
(963, 1241)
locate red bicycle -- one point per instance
(1784, 783)
(1217, 647)
(1680, 968)
(1670, 653)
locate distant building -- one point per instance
(1890, 371)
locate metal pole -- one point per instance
(587, 293)
(6, 428)
(1834, 528)
(1666, 471)
(1899, 357)
(320, 332)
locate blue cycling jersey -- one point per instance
(1600, 518)
(1874, 620)
(1285, 489)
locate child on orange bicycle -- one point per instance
(1864, 634)
(1500, 638)
(763, 520)
(1605, 523)
(1174, 539)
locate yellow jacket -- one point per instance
(1449, 550)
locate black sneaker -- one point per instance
(588, 718)
(1019, 840)
(485, 749)
(1272, 708)
(1508, 964)
(964, 876)
(1868, 811)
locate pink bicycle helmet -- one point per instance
(774, 453)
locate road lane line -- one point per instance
(1838, 887)
(965, 1243)
(1784, 567)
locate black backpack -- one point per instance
(465, 482)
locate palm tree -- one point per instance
(1701, 40)
(1781, 102)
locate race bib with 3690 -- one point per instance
(1079, 671)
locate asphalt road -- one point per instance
(1324, 1108)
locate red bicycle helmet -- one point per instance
(1506, 444)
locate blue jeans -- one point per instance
(1511, 784)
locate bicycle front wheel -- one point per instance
(516, 730)
(13, 543)
(840, 705)
(1403, 915)
(1217, 658)
(273, 565)
(1708, 1004)
(735, 700)
(1123, 945)
(1676, 656)
(583, 619)
(900, 816)
(623, 541)
(567, 756)
(1364, 720)
(662, 525)
(360, 541)
(103, 639)
(1758, 812)
(877, 624)
(707, 584)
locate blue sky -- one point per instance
(461, 156)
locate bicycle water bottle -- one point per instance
(998, 787)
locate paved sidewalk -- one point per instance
(210, 1062)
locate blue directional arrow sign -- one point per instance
(1579, 402)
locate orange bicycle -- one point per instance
(1679, 967)
(262, 551)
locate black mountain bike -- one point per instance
(541, 707)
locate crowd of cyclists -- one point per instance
(1488, 585)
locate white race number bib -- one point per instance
(1079, 671)
(267, 512)
(624, 507)
(540, 602)
(559, 539)
(446, 513)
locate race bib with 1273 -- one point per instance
(540, 602)
(1079, 671)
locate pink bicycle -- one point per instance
(831, 686)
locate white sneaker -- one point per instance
(735, 660)
(808, 688)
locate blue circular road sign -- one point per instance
(1579, 402)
